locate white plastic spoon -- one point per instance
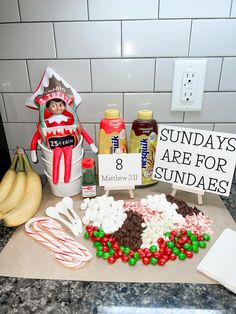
(62, 209)
(69, 204)
(52, 212)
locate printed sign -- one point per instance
(196, 158)
(119, 169)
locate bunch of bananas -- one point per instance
(20, 191)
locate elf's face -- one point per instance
(56, 106)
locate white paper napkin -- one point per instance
(220, 262)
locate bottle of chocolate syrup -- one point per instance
(143, 139)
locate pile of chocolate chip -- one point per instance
(183, 208)
(129, 234)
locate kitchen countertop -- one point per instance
(19, 295)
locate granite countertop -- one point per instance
(19, 295)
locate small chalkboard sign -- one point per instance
(198, 159)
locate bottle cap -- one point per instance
(145, 114)
(112, 113)
(87, 163)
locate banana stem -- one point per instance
(14, 162)
(21, 164)
(26, 162)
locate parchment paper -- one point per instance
(24, 257)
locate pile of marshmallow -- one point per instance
(104, 212)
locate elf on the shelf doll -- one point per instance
(58, 128)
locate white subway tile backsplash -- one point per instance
(123, 9)
(30, 40)
(93, 106)
(2, 110)
(155, 38)
(228, 76)
(9, 11)
(16, 109)
(123, 75)
(88, 39)
(91, 131)
(19, 134)
(194, 9)
(13, 76)
(75, 72)
(53, 10)
(160, 104)
(225, 127)
(216, 107)
(197, 126)
(233, 11)
(213, 37)
(165, 74)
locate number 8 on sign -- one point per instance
(119, 164)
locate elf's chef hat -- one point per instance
(50, 87)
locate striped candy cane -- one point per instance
(49, 233)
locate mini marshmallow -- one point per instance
(83, 206)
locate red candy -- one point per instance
(124, 258)
(111, 260)
(145, 260)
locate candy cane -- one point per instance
(67, 251)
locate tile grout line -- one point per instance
(4, 107)
(55, 42)
(88, 13)
(154, 76)
(158, 8)
(121, 39)
(18, 5)
(220, 76)
(28, 74)
(91, 75)
(190, 36)
(231, 7)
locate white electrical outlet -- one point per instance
(188, 87)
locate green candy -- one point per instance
(206, 237)
(182, 256)
(126, 250)
(136, 256)
(96, 233)
(153, 248)
(122, 248)
(99, 253)
(195, 248)
(99, 247)
(175, 250)
(109, 244)
(132, 261)
(106, 255)
(170, 244)
(111, 251)
(96, 243)
(167, 234)
(202, 244)
(101, 233)
(186, 246)
(153, 260)
(189, 233)
(193, 238)
(86, 235)
(195, 243)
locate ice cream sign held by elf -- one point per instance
(58, 127)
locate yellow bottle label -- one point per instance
(146, 145)
(110, 143)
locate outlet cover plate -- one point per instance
(188, 97)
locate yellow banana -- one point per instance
(8, 179)
(30, 202)
(17, 191)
